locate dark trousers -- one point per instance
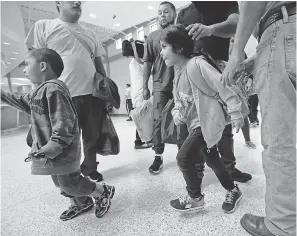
(74, 184)
(129, 106)
(246, 130)
(138, 141)
(90, 111)
(190, 159)
(159, 102)
(253, 105)
(225, 145)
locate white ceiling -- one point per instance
(101, 16)
(127, 13)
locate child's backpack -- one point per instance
(206, 89)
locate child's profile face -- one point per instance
(169, 56)
(33, 70)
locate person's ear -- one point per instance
(43, 66)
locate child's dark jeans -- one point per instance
(190, 159)
(74, 184)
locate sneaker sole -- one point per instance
(103, 213)
(141, 147)
(80, 212)
(157, 171)
(236, 205)
(191, 210)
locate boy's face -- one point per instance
(33, 70)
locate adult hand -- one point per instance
(178, 119)
(237, 124)
(146, 94)
(234, 65)
(198, 31)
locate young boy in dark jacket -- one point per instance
(56, 147)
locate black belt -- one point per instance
(275, 16)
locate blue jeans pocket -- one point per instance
(290, 57)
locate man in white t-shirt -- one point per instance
(78, 75)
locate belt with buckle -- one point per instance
(275, 16)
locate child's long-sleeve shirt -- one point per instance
(184, 96)
(55, 131)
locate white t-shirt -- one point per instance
(128, 93)
(79, 68)
(136, 74)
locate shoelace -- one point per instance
(73, 208)
(184, 200)
(229, 197)
(103, 197)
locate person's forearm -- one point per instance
(251, 13)
(147, 67)
(227, 28)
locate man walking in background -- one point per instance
(162, 79)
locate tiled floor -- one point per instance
(31, 205)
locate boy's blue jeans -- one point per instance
(275, 75)
(74, 184)
(190, 159)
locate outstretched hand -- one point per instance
(198, 31)
(234, 66)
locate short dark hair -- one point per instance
(170, 4)
(128, 85)
(177, 36)
(50, 57)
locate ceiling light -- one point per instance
(15, 53)
(6, 43)
(92, 15)
(117, 24)
(150, 7)
(12, 58)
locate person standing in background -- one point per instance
(162, 79)
(129, 105)
(246, 128)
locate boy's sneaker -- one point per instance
(250, 145)
(232, 199)
(74, 211)
(157, 165)
(188, 204)
(253, 124)
(102, 203)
